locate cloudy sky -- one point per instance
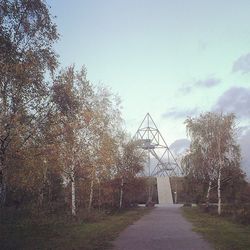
(171, 58)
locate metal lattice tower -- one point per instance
(161, 161)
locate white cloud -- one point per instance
(235, 100)
(242, 64)
(178, 113)
(207, 82)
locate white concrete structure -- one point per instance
(164, 190)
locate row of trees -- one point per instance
(61, 138)
(214, 156)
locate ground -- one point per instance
(162, 229)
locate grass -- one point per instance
(67, 235)
(220, 231)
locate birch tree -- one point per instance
(213, 148)
(27, 33)
(130, 162)
(90, 119)
(72, 94)
(104, 127)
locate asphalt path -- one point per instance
(162, 229)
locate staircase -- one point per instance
(164, 190)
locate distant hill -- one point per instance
(179, 146)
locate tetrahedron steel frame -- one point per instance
(161, 161)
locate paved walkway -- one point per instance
(163, 229)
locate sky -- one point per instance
(173, 59)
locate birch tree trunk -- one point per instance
(121, 194)
(219, 175)
(73, 193)
(99, 194)
(208, 193)
(91, 194)
(219, 192)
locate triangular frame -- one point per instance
(151, 140)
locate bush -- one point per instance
(239, 213)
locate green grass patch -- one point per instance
(67, 234)
(220, 231)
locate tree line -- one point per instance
(62, 141)
(61, 137)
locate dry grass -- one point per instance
(67, 234)
(221, 232)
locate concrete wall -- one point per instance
(164, 190)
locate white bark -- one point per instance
(99, 194)
(219, 175)
(91, 194)
(121, 194)
(208, 192)
(73, 194)
(219, 192)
